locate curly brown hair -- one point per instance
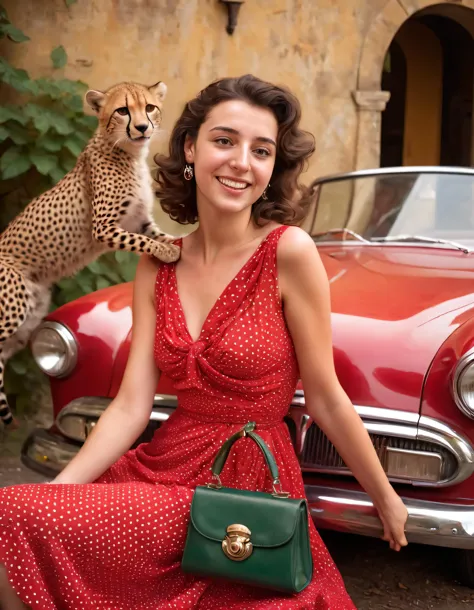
(287, 199)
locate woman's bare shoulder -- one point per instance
(145, 275)
(295, 244)
(299, 265)
(148, 265)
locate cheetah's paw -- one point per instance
(166, 252)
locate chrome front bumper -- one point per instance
(433, 523)
(449, 525)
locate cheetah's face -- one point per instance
(129, 114)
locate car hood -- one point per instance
(393, 306)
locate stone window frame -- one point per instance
(369, 99)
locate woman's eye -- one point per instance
(122, 111)
(224, 141)
(150, 108)
(262, 152)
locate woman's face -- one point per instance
(233, 155)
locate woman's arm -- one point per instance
(128, 414)
(305, 294)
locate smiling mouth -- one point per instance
(233, 184)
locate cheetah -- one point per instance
(104, 203)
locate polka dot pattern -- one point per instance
(116, 544)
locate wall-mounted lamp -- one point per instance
(233, 7)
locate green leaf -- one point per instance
(4, 133)
(64, 85)
(113, 276)
(48, 87)
(50, 142)
(18, 79)
(85, 280)
(44, 119)
(39, 116)
(13, 33)
(13, 113)
(90, 122)
(74, 102)
(128, 271)
(83, 137)
(121, 256)
(69, 2)
(60, 87)
(96, 267)
(43, 161)
(66, 284)
(17, 133)
(68, 162)
(57, 174)
(74, 145)
(3, 13)
(101, 282)
(59, 57)
(61, 124)
(14, 161)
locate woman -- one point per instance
(234, 323)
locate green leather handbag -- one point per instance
(254, 538)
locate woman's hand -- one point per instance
(394, 516)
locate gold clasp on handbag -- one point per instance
(236, 545)
(217, 482)
(279, 493)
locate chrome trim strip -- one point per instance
(391, 430)
(372, 413)
(462, 364)
(69, 341)
(169, 399)
(391, 244)
(388, 239)
(382, 421)
(389, 415)
(92, 407)
(447, 525)
(393, 171)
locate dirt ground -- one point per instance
(377, 579)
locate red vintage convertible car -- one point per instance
(398, 247)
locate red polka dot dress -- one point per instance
(116, 544)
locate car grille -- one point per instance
(319, 454)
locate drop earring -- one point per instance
(264, 194)
(188, 172)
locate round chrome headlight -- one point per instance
(54, 349)
(463, 384)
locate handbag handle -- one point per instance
(223, 454)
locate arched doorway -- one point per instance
(428, 72)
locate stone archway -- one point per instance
(369, 99)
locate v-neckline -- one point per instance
(225, 289)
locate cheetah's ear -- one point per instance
(159, 90)
(95, 99)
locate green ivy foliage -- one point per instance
(41, 136)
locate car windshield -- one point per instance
(386, 206)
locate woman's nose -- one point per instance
(241, 160)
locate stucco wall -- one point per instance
(310, 45)
(324, 50)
